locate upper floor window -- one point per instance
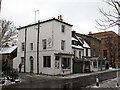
(63, 45)
(74, 42)
(31, 46)
(86, 51)
(44, 43)
(63, 28)
(23, 46)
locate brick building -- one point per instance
(110, 46)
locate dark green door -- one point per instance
(31, 66)
(78, 67)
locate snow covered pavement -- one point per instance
(112, 83)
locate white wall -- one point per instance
(31, 38)
(77, 52)
(51, 29)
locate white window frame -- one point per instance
(62, 44)
(44, 42)
(62, 28)
(22, 46)
(46, 62)
(31, 46)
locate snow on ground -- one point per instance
(112, 83)
(8, 82)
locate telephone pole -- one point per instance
(25, 50)
(38, 47)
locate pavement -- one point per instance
(87, 74)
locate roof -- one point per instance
(78, 47)
(104, 32)
(7, 50)
(89, 36)
(86, 45)
(44, 22)
(82, 42)
(74, 39)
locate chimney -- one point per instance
(61, 17)
(90, 33)
(73, 33)
(58, 17)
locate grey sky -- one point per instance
(80, 13)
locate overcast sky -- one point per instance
(80, 13)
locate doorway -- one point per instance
(31, 64)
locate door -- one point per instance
(31, 64)
(78, 67)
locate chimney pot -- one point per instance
(60, 17)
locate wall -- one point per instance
(48, 30)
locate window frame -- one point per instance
(44, 43)
(23, 46)
(62, 44)
(66, 63)
(47, 61)
(63, 28)
(31, 46)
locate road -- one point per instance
(43, 81)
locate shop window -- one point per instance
(95, 64)
(57, 62)
(46, 61)
(66, 63)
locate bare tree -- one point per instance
(7, 32)
(110, 18)
(111, 44)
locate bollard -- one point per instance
(97, 81)
(117, 84)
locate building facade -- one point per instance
(93, 42)
(7, 55)
(110, 46)
(51, 53)
(90, 47)
(80, 49)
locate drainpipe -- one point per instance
(38, 47)
(73, 61)
(25, 50)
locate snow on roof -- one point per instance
(83, 42)
(7, 50)
(79, 47)
(86, 45)
(74, 39)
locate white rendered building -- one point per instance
(53, 56)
